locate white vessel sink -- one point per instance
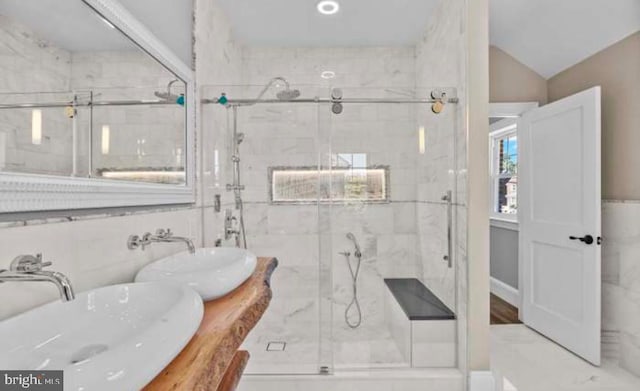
(212, 272)
(113, 338)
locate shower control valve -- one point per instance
(229, 222)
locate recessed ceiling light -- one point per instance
(328, 7)
(328, 75)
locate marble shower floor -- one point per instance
(378, 352)
(523, 360)
(301, 355)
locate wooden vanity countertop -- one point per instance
(202, 364)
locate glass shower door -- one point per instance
(391, 161)
(278, 156)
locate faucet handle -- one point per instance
(28, 263)
(163, 233)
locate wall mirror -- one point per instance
(94, 110)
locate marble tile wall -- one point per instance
(388, 135)
(621, 282)
(218, 60)
(441, 60)
(91, 252)
(30, 64)
(140, 136)
(399, 326)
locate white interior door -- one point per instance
(559, 216)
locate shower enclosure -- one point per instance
(347, 187)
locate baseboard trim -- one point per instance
(506, 292)
(481, 381)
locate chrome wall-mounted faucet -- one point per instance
(26, 268)
(161, 236)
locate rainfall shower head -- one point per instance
(166, 96)
(169, 96)
(288, 94)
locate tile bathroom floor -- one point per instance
(298, 354)
(379, 351)
(523, 360)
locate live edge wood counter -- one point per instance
(202, 364)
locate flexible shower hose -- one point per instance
(354, 304)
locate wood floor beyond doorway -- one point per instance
(502, 312)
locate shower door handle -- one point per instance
(448, 197)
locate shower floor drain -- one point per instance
(276, 346)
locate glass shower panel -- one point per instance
(278, 157)
(345, 193)
(391, 161)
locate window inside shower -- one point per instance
(344, 201)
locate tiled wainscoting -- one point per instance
(621, 282)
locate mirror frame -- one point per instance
(21, 192)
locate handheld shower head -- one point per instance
(239, 138)
(352, 237)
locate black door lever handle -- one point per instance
(587, 239)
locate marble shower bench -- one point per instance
(422, 326)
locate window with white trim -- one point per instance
(504, 170)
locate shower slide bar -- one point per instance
(232, 102)
(87, 104)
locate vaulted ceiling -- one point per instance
(550, 36)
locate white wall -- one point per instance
(504, 255)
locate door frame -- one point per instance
(507, 110)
